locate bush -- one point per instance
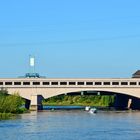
(11, 103)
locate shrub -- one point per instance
(11, 103)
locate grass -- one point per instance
(5, 116)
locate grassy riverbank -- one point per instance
(10, 105)
(82, 100)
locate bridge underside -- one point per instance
(122, 101)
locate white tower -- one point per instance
(32, 64)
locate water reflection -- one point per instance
(72, 125)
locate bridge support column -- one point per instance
(36, 102)
(135, 103)
(129, 103)
(27, 104)
(98, 93)
(82, 93)
(121, 102)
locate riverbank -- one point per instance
(71, 108)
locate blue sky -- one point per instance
(70, 38)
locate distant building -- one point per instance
(136, 74)
(32, 75)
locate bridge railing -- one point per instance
(70, 83)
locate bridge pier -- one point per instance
(36, 102)
(82, 93)
(122, 102)
(27, 104)
(135, 103)
(129, 103)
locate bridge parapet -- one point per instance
(43, 83)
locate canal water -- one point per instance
(72, 125)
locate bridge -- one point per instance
(35, 89)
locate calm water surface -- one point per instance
(72, 125)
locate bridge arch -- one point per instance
(32, 94)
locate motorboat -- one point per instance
(87, 108)
(93, 110)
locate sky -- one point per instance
(70, 38)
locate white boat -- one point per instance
(87, 108)
(93, 110)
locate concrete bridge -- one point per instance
(35, 89)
